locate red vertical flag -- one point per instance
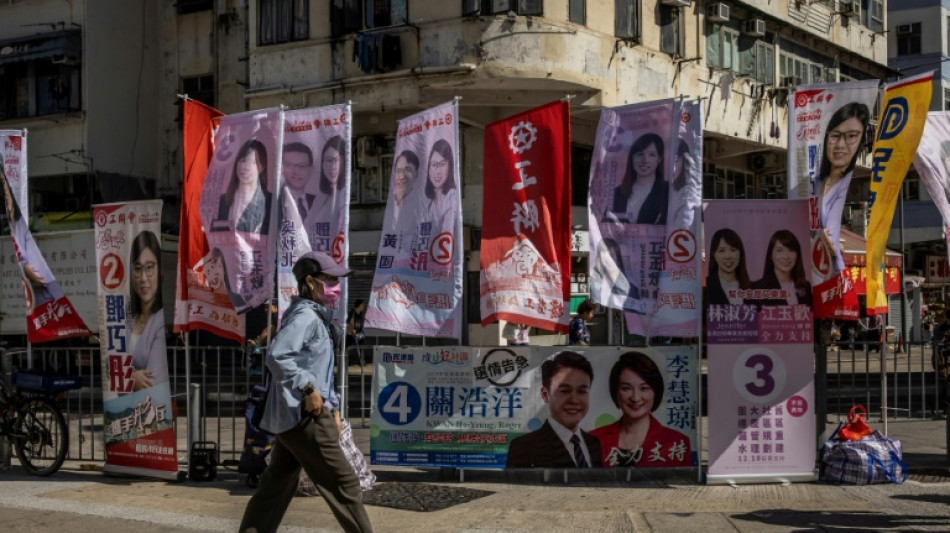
(199, 302)
(526, 219)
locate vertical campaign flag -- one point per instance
(49, 313)
(902, 120)
(932, 162)
(680, 287)
(417, 288)
(827, 131)
(237, 202)
(314, 196)
(139, 428)
(526, 233)
(629, 206)
(759, 329)
(202, 299)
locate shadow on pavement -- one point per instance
(842, 521)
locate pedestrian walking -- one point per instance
(578, 330)
(300, 408)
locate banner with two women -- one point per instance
(202, 296)
(138, 418)
(645, 190)
(314, 195)
(828, 128)
(49, 313)
(417, 287)
(535, 407)
(760, 336)
(526, 230)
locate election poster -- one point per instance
(932, 162)
(631, 192)
(202, 290)
(314, 196)
(759, 329)
(535, 407)
(50, 315)
(237, 204)
(900, 126)
(828, 128)
(417, 287)
(137, 407)
(526, 231)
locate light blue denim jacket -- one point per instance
(302, 351)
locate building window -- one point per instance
(36, 88)
(946, 99)
(346, 16)
(872, 14)
(581, 157)
(947, 48)
(757, 59)
(671, 31)
(627, 19)
(283, 21)
(908, 39)
(501, 7)
(200, 88)
(722, 47)
(193, 6)
(577, 11)
(912, 186)
(382, 13)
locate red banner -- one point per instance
(202, 300)
(526, 231)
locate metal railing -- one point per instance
(855, 375)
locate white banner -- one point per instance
(314, 194)
(417, 288)
(932, 162)
(490, 407)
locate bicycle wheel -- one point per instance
(42, 437)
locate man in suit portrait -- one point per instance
(560, 443)
(297, 168)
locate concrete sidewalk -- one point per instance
(498, 501)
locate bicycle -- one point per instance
(35, 426)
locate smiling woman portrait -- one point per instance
(727, 270)
(784, 270)
(146, 319)
(637, 438)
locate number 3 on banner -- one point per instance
(759, 375)
(400, 403)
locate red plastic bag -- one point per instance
(856, 428)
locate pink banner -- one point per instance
(417, 288)
(238, 201)
(526, 233)
(50, 315)
(759, 329)
(314, 194)
(139, 427)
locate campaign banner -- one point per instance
(314, 195)
(202, 288)
(71, 257)
(237, 202)
(49, 314)
(932, 162)
(139, 428)
(490, 407)
(629, 205)
(760, 336)
(678, 311)
(417, 287)
(900, 126)
(525, 254)
(828, 128)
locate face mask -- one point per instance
(331, 294)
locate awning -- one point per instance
(65, 46)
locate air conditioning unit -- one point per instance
(904, 29)
(677, 3)
(717, 12)
(759, 162)
(850, 8)
(754, 27)
(829, 74)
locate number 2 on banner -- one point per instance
(400, 403)
(759, 375)
(111, 272)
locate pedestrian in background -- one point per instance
(354, 328)
(578, 331)
(300, 408)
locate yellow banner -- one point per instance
(900, 125)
